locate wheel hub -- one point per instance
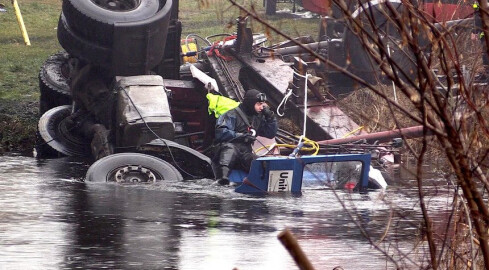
(134, 174)
(117, 5)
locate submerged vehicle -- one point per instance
(290, 174)
(128, 92)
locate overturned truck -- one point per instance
(125, 91)
(98, 97)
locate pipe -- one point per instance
(383, 136)
(299, 49)
(21, 23)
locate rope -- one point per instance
(300, 144)
(303, 140)
(284, 100)
(312, 146)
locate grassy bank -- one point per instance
(19, 70)
(20, 67)
(210, 17)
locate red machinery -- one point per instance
(441, 11)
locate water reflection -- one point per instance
(52, 220)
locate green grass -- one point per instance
(21, 63)
(219, 16)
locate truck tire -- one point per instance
(131, 168)
(82, 48)
(270, 7)
(123, 45)
(61, 137)
(54, 82)
(94, 20)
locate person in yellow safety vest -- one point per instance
(220, 104)
(478, 33)
(236, 130)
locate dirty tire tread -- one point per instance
(89, 25)
(54, 89)
(85, 25)
(47, 74)
(82, 48)
(100, 170)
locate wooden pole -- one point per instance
(21, 22)
(291, 244)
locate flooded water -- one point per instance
(50, 219)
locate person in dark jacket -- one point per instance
(236, 130)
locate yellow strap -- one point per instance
(351, 132)
(314, 146)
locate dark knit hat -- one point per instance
(251, 97)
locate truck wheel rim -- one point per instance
(133, 174)
(118, 5)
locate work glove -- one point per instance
(267, 113)
(249, 138)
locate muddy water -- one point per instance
(49, 219)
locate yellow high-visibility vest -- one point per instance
(220, 104)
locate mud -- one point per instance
(18, 125)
